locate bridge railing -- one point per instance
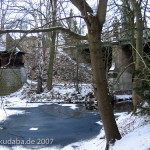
(122, 35)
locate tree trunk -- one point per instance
(139, 53)
(39, 85)
(95, 24)
(77, 70)
(52, 47)
(51, 62)
(100, 82)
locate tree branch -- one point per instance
(65, 30)
(83, 6)
(101, 12)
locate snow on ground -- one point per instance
(4, 113)
(135, 130)
(61, 93)
(124, 97)
(139, 139)
(65, 89)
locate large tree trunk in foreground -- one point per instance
(100, 82)
(95, 24)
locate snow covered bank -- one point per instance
(135, 132)
(138, 139)
(4, 113)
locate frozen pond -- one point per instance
(49, 125)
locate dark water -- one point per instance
(57, 126)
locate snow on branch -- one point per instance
(37, 30)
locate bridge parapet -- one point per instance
(119, 34)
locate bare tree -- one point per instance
(94, 25)
(52, 46)
(138, 51)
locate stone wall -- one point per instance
(122, 58)
(11, 79)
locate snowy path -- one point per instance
(50, 125)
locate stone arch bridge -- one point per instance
(118, 55)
